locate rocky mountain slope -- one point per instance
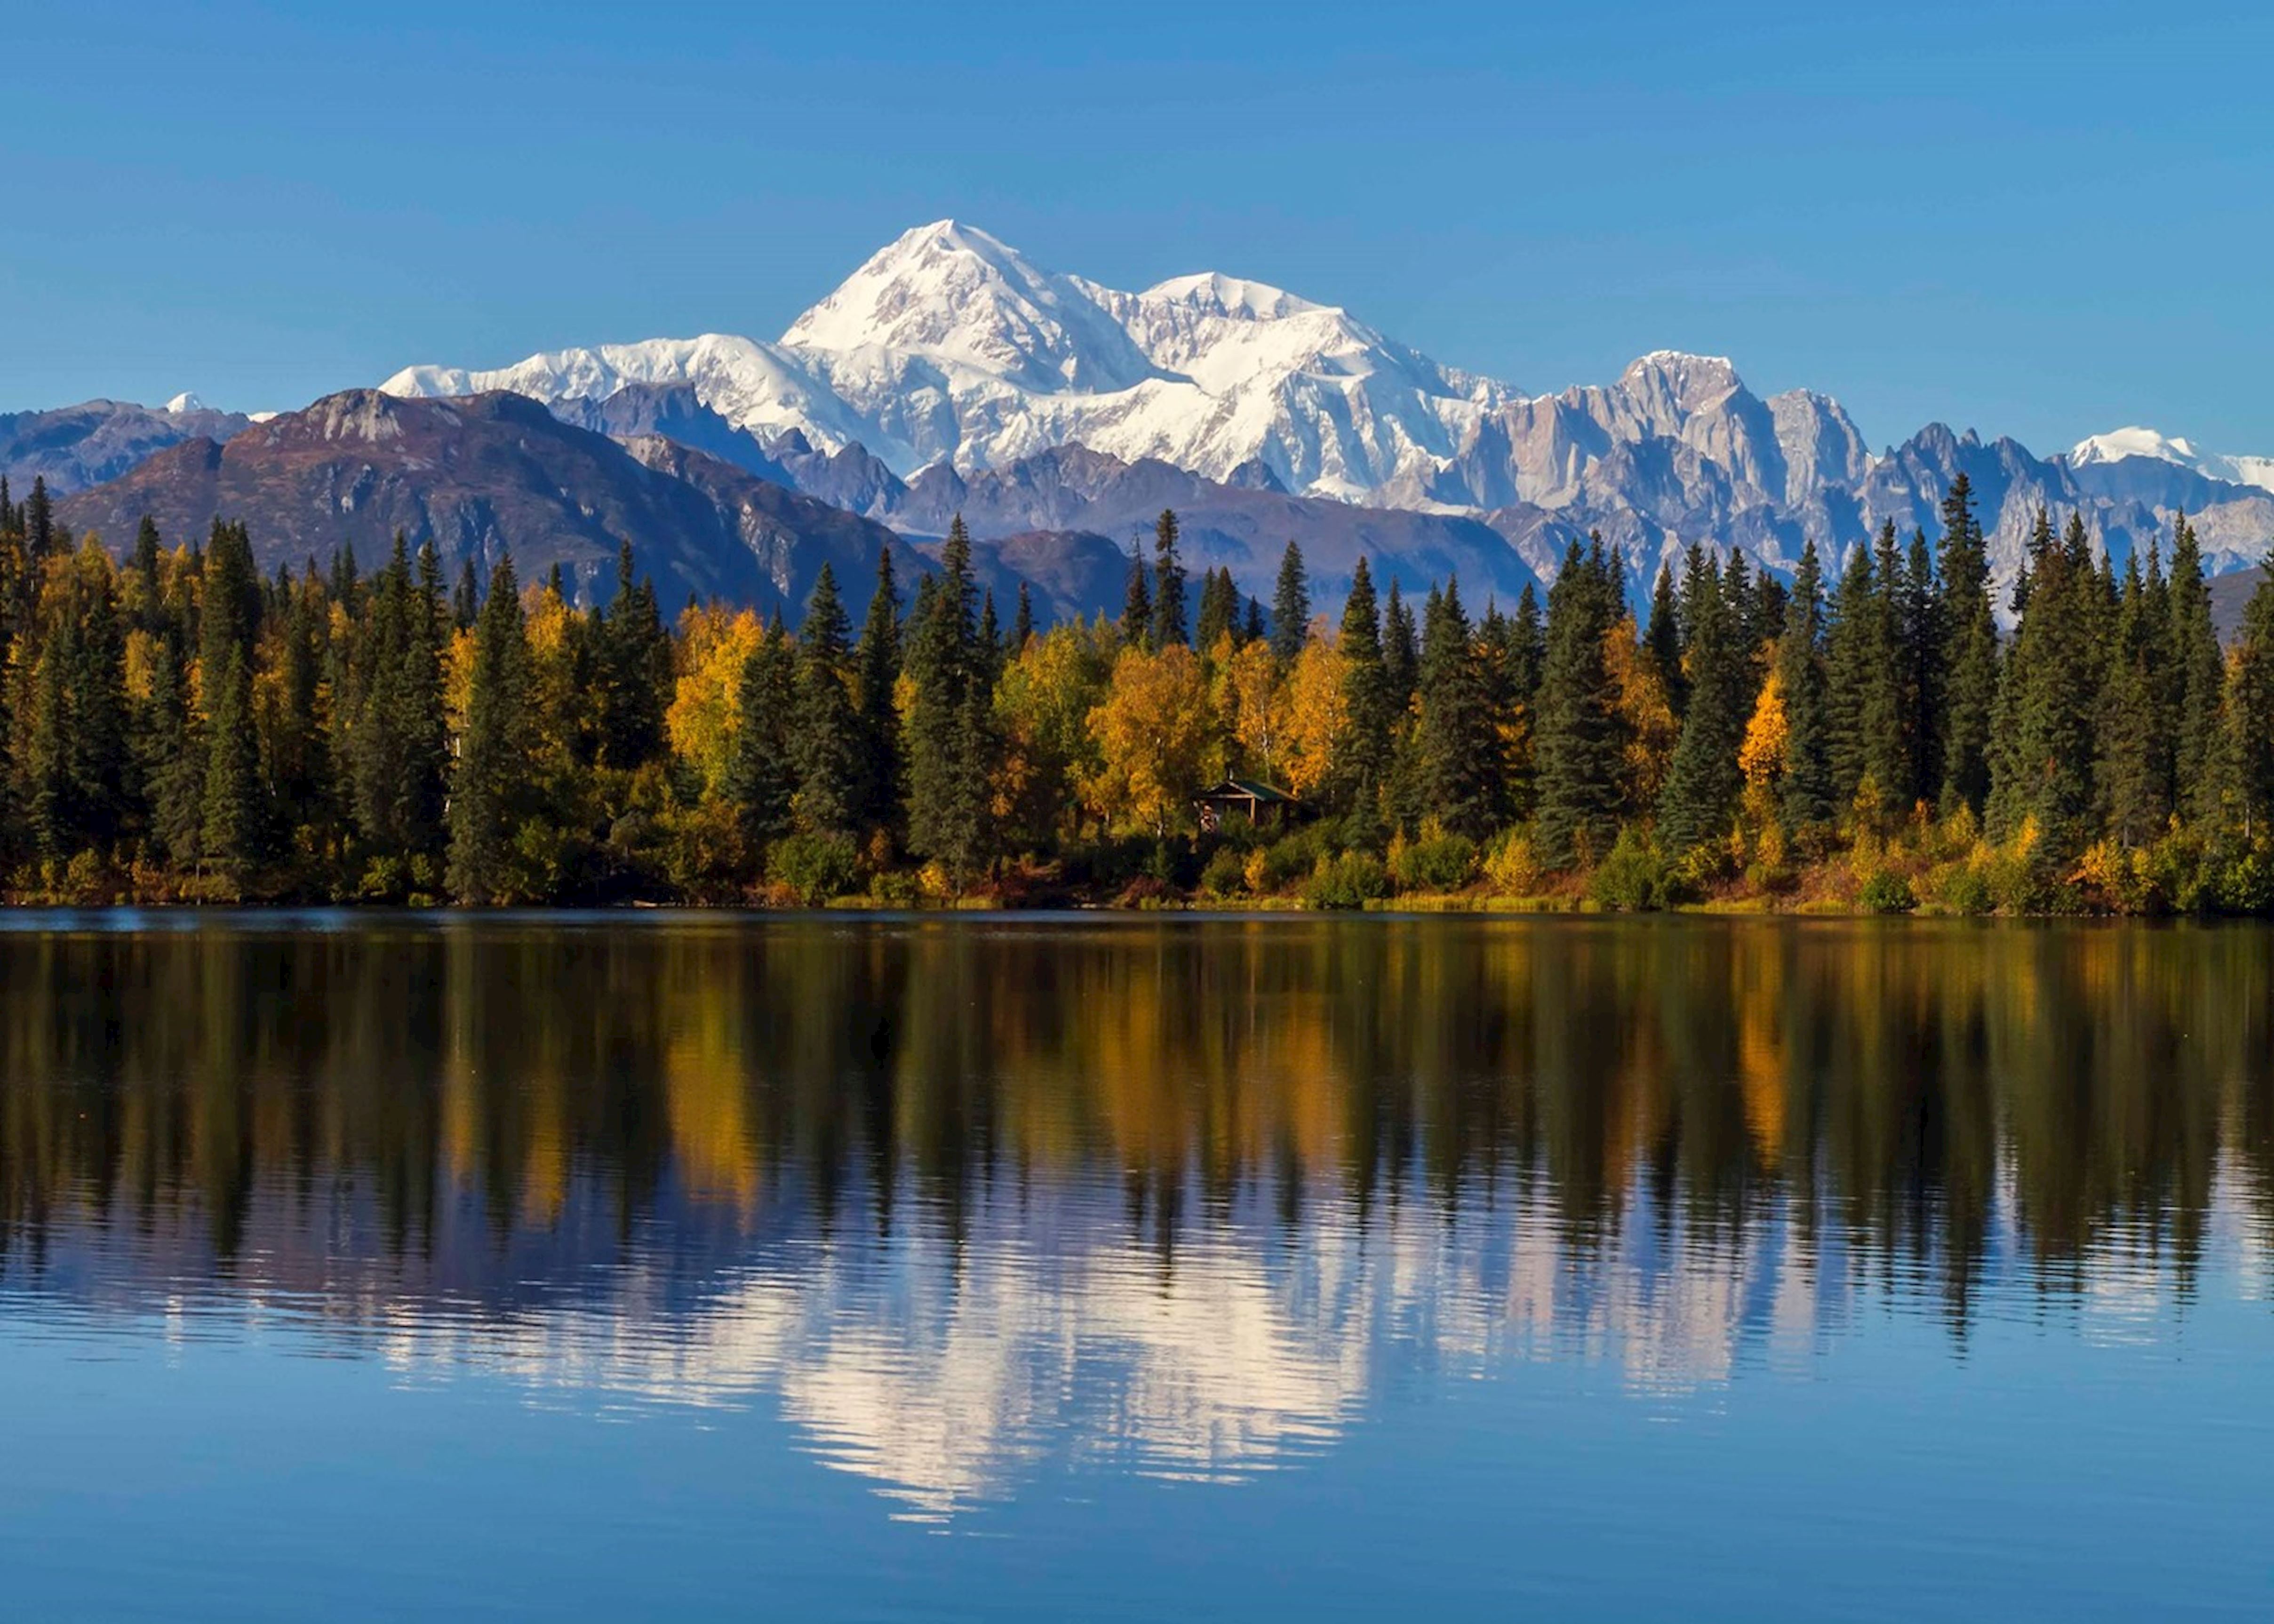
(479, 477)
(74, 447)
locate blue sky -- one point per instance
(2039, 219)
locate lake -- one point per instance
(972, 1267)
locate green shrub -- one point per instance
(1349, 881)
(1633, 878)
(816, 868)
(1434, 862)
(2246, 883)
(1290, 859)
(1966, 889)
(1226, 873)
(1887, 892)
(895, 888)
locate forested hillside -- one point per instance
(183, 726)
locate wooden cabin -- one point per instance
(1258, 802)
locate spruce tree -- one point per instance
(1219, 613)
(1169, 622)
(2250, 709)
(1022, 623)
(949, 736)
(41, 539)
(2043, 775)
(825, 738)
(1137, 604)
(2197, 679)
(466, 600)
(1661, 640)
(1579, 754)
(1401, 658)
(877, 665)
(2134, 794)
(1805, 795)
(1362, 756)
(761, 772)
(1967, 634)
(1918, 639)
(1461, 781)
(1291, 608)
(1702, 780)
(229, 836)
(633, 660)
(490, 789)
(1252, 629)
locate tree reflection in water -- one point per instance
(965, 1193)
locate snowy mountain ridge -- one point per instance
(2119, 444)
(949, 350)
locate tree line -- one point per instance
(182, 726)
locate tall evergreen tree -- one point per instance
(490, 790)
(1169, 622)
(1702, 780)
(1918, 639)
(825, 738)
(1805, 795)
(1661, 640)
(400, 743)
(949, 733)
(466, 600)
(1401, 656)
(2197, 679)
(2043, 773)
(1022, 623)
(2133, 793)
(632, 654)
(1219, 610)
(40, 539)
(1291, 608)
(761, 770)
(2250, 708)
(1870, 756)
(1461, 783)
(877, 665)
(230, 838)
(1137, 604)
(1362, 756)
(1966, 629)
(1579, 755)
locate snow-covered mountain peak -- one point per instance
(953, 294)
(2137, 441)
(187, 402)
(1230, 295)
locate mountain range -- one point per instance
(950, 374)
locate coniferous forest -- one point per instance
(1873, 735)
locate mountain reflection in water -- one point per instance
(964, 1197)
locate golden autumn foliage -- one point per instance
(1044, 704)
(705, 706)
(1761, 758)
(1254, 704)
(1318, 713)
(1152, 732)
(1653, 729)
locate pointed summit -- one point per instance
(954, 294)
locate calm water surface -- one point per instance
(943, 1269)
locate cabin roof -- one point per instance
(1246, 789)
